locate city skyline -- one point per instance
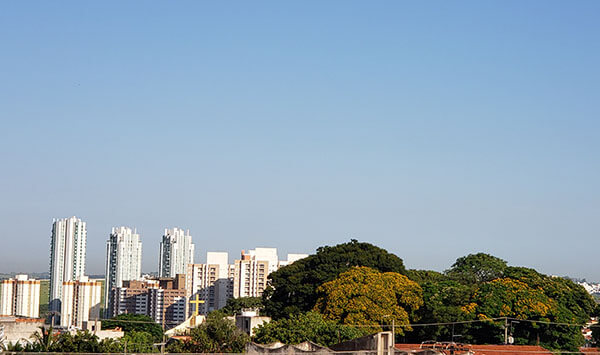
(149, 266)
(469, 127)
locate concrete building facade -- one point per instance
(123, 259)
(163, 299)
(67, 256)
(80, 302)
(20, 297)
(176, 252)
(211, 282)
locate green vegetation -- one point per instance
(293, 288)
(479, 289)
(311, 326)
(217, 335)
(366, 296)
(44, 295)
(236, 305)
(84, 342)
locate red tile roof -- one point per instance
(487, 349)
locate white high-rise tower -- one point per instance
(176, 252)
(67, 256)
(123, 259)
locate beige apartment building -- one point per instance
(80, 302)
(20, 297)
(211, 282)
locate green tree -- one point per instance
(477, 268)
(423, 276)
(216, 335)
(293, 287)
(43, 339)
(365, 296)
(573, 305)
(311, 326)
(139, 342)
(109, 345)
(533, 309)
(135, 322)
(443, 303)
(236, 305)
(81, 342)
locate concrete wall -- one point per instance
(19, 329)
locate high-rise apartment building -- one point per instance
(176, 252)
(163, 299)
(251, 271)
(80, 302)
(20, 297)
(212, 282)
(67, 256)
(123, 259)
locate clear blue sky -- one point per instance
(432, 129)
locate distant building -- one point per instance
(212, 282)
(216, 281)
(176, 252)
(251, 271)
(123, 259)
(80, 302)
(67, 256)
(291, 258)
(20, 297)
(163, 299)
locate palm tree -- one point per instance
(43, 339)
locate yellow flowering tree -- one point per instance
(364, 296)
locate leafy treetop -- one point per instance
(365, 296)
(310, 326)
(477, 268)
(293, 287)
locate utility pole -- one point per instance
(505, 330)
(164, 314)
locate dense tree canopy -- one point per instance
(481, 286)
(217, 335)
(310, 326)
(365, 296)
(444, 300)
(476, 268)
(293, 287)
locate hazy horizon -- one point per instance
(432, 130)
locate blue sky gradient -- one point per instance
(432, 129)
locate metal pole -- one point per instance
(505, 330)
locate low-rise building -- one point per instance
(247, 321)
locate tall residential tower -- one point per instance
(176, 252)
(123, 259)
(67, 256)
